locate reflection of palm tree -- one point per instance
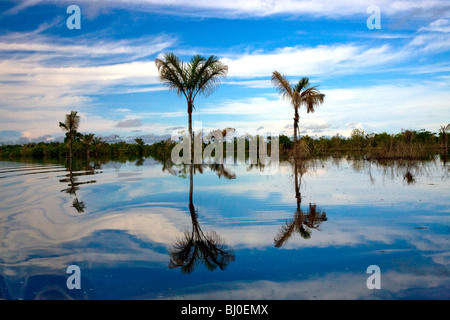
(298, 95)
(72, 179)
(222, 171)
(197, 246)
(78, 205)
(302, 222)
(70, 125)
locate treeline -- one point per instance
(82, 148)
(408, 144)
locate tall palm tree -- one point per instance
(300, 94)
(200, 76)
(70, 125)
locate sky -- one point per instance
(385, 79)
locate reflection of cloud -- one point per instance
(38, 223)
(342, 286)
(441, 258)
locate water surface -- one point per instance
(145, 230)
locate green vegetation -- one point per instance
(77, 146)
(407, 144)
(81, 150)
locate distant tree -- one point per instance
(87, 141)
(140, 146)
(97, 143)
(70, 125)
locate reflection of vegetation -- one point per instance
(408, 171)
(303, 222)
(197, 246)
(73, 186)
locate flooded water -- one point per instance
(144, 230)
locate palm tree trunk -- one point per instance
(296, 119)
(191, 136)
(70, 146)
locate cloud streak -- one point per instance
(234, 9)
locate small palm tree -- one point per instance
(300, 94)
(87, 140)
(97, 143)
(200, 76)
(70, 125)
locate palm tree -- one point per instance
(70, 125)
(87, 140)
(97, 143)
(300, 94)
(200, 76)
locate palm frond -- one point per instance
(302, 85)
(282, 84)
(284, 234)
(209, 76)
(172, 73)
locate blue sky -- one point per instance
(388, 79)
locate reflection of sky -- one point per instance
(134, 213)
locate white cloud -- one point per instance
(258, 8)
(390, 107)
(313, 61)
(440, 25)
